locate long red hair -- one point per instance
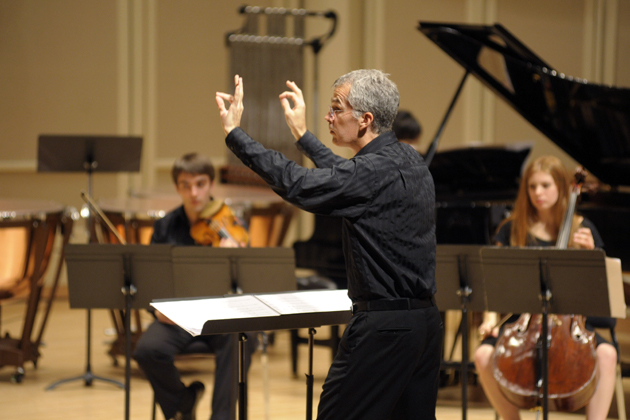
(524, 214)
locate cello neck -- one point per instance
(567, 222)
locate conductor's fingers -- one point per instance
(238, 87)
(285, 104)
(291, 85)
(220, 102)
(289, 95)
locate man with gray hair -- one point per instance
(388, 361)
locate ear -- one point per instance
(366, 120)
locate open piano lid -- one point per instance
(589, 122)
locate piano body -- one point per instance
(590, 122)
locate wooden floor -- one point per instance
(64, 356)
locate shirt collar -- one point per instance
(378, 143)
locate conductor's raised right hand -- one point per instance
(231, 117)
(296, 115)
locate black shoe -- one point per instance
(188, 410)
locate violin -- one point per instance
(572, 358)
(217, 221)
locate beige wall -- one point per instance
(152, 67)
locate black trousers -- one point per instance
(387, 367)
(155, 353)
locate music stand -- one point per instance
(544, 280)
(271, 311)
(98, 272)
(124, 277)
(244, 270)
(459, 278)
(88, 153)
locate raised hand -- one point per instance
(231, 117)
(296, 115)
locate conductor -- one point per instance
(389, 356)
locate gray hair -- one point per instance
(372, 91)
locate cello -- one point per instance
(572, 361)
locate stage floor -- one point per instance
(274, 393)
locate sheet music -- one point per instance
(192, 314)
(308, 301)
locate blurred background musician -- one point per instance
(535, 221)
(407, 128)
(155, 351)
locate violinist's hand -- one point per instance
(296, 116)
(487, 329)
(584, 238)
(162, 318)
(231, 117)
(229, 243)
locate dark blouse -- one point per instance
(503, 236)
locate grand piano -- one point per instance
(590, 122)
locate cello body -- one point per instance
(572, 362)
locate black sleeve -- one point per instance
(503, 234)
(597, 238)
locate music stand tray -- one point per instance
(578, 281)
(247, 270)
(81, 153)
(96, 275)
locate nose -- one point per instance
(328, 118)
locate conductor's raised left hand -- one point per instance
(231, 117)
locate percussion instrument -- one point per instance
(28, 230)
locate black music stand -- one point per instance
(459, 278)
(544, 280)
(87, 153)
(242, 270)
(108, 276)
(271, 311)
(98, 273)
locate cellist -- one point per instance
(535, 221)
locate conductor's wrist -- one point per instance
(298, 133)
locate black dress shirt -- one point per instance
(384, 194)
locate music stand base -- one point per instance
(88, 377)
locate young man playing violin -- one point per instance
(155, 351)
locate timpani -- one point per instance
(27, 234)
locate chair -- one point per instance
(610, 324)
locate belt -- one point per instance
(392, 304)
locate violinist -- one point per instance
(535, 221)
(155, 351)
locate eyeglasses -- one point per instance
(334, 112)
